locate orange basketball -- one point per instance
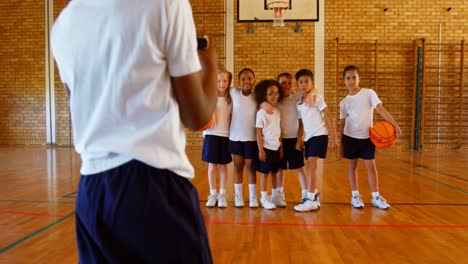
(382, 134)
(207, 125)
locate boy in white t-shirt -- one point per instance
(313, 121)
(356, 115)
(132, 74)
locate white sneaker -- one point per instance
(278, 200)
(316, 199)
(306, 205)
(267, 204)
(222, 202)
(253, 202)
(238, 201)
(380, 202)
(211, 200)
(356, 201)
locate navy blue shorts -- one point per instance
(291, 156)
(246, 149)
(135, 213)
(271, 164)
(215, 150)
(354, 148)
(316, 147)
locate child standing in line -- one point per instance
(356, 115)
(268, 138)
(242, 138)
(293, 158)
(313, 121)
(215, 143)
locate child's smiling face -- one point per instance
(223, 82)
(272, 95)
(247, 81)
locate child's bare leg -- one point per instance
(372, 175)
(302, 178)
(311, 170)
(222, 176)
(352, 174)
(239, 163)
(274, 181)
(279, 178)
(263, 187)
(212, 175)
(250, 171)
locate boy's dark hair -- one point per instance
(283, 74)
(243, 70)
(351, 68)
(304, 72)
(262, 87)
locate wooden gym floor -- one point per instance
(428, 221)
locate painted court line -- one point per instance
(28, 213)
(36, 232)
(340, 225)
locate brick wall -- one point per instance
(268, 51)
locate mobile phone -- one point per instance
(202, 43)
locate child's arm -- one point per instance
(331, 128)
(386, 115)
(267, 107)
(300, 136)
(311, 97)
(340, 135)
(261, 151)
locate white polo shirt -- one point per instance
(271, 128)
(358, 110)
(312, 118)
(244, 109)
(289, 115)
(222, 118)
(117, 58)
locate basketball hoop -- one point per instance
(279, 10)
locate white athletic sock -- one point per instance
(354, 193)
(375, 194)
(253, 189)
(222, 191)
(280, 189)
(264, 194)
(213, 191)
(304, 193)
(238, 188)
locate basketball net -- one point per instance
(279, 10)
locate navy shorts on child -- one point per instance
(215, 150)
(271, 163)
(291, 156)
(135, 213)
(354, 148)
(247, 149)
(316, 147)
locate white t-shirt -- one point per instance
(312, 118)
(289, 115)
(271, 128)
(222, 116)
(358, 110)
(244, 109)
(117, 58)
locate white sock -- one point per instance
(213, 191)
(304, 193)
(316, 190)
(222, 191)
(238, 188)
(253, 189)
(274, 192)
(311, 195)
(264, 195)
(355, 193)
(375, 194)
(280, 189)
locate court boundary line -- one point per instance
(37, 232)
(29, 213)
(35, 201)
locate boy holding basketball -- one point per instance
(356, 114)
